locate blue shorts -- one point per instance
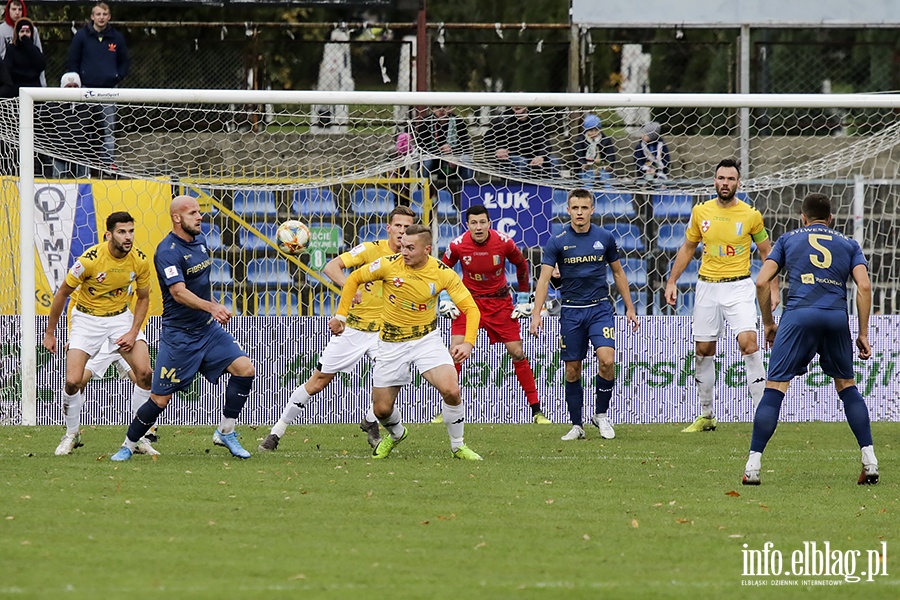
(578, 325)
(805, 332)
(183, 354)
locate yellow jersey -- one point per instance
(410, 296)
(726, 234)
(105, 284)
(366, 316)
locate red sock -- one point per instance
(526, 379)
(458, 369)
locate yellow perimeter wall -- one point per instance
(147, 201)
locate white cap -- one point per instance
(69, 78)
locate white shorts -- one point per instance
(88, 333)
(393, 359)
(108, 355)
(716, 303)
(343, 351)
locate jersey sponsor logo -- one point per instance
(598, 245)
(356, 250)
(397, 281)
(704, 226)
(77, 269)
(739, 228)
(729, 250)
(570, 260)
(171, 272)
(567, 248)
(188, 256)
(169, 374)
(101, 277)
(408, 305)
(197, 268)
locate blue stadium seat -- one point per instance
(556, 227)
(255, 203)
(251, 241)
(560, 203)
(628, 237)
(205, 206)
(373, 201)
(635, 270)
(446, 234)
(613, 204)
(688, 278)
(671, 236)
(370, 232)
(672, 206)
(443, 202)
(324, 304)
(314, 202)
(220, 273)
(639, 300)
(684, 304)
(277, 304)
(226, 299)
(213, 236)
(269, 271)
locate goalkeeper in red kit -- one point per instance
(483, 253)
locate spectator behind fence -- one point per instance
(24, 60)
(99, 55)
(15, 10)
(74, 127)
(518, 140)
(595, 151)
(443, 133)
(651, 154)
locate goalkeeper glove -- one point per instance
(446, 308)
(524, 306)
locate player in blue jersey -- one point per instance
(582, 252)
(818, 261)
(192, 339)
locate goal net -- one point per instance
(254, 159)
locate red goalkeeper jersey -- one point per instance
(484, 265)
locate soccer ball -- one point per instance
(292, 237)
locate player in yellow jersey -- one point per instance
(106, 276)
(412, 281)
(725, 293)
(364, 323)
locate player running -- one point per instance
(361, 337)
(483, 253)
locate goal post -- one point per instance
(253, 158)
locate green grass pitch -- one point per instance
(652, 514)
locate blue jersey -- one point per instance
(188, 262)
(819, 261)
(582, 260)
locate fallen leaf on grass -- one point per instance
(550, 501)
(480, 545)
(683, 521)
(586, 537)
(764, 507)
(297, 576)
(634, 523)
(733, 494)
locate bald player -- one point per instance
(192, 339)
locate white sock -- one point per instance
(227, 425)
(454, 419)
(756, 376)
(72, 411)
(300, 396)
(868, 456)
(129, 444)
(290, 413)
(139, 397)
(394, 424)
(370, 415)
(705, 376)
(754, 461)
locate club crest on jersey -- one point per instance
(739, 228)
(203, 249)
(433, 289)
(598, 245)
(398, 281)
(131, 276)
(101, 277)
(496, 259)
(704, 226)
(467, 259)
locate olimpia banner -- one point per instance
(654, 381)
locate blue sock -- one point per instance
(236, 393)
(144, 419)
(857, 415)
(604, 393)
(575, 401)
(766, 419)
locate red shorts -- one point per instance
(495, 320)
